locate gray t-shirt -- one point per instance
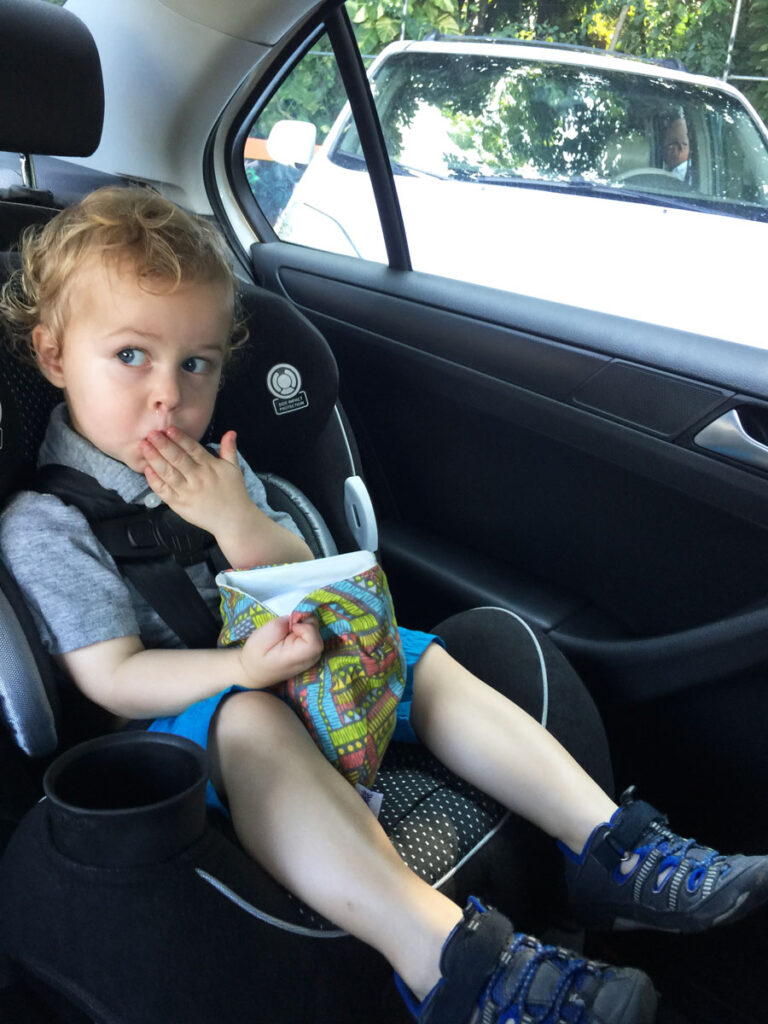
(71, 583)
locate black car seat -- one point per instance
(201, 933)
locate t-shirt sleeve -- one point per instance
(73, 588)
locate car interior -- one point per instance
(602, 480)
(464, 833)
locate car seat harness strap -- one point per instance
(151, 548)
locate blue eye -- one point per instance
(195, 364)
(132, 356)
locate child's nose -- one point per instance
(166, 393)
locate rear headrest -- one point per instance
(51, 89)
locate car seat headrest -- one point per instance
(280, 389)
(51, 88)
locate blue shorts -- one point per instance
(195, 721)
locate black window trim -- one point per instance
(372, 143)
(332, 19)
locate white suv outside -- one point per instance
(557, 173)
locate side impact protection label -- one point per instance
(284, 383)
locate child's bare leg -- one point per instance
(306, 825)
(498, 747)
(296, 815)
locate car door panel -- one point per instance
(519, 455)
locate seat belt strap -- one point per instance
(165, 587)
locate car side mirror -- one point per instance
(292, 142)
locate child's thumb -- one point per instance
(228, 447)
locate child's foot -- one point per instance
(491, 974)
(635, 873)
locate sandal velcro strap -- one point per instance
(470, 957)
(625, 833)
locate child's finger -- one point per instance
(273, 632)
(297, 617)
(307, 636)
(177, 448)
(164, 470)
(182, 439)
(154, 481)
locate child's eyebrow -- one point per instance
(127, 329)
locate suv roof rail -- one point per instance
(674, 63)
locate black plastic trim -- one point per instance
(471, 579)
(642, 669)
(661, 403)
(723, 364)
(372, 142)
(634, 668)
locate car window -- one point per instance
(281, 144)
(551, 172)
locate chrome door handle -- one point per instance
(727, 436)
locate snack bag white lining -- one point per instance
(281, 587)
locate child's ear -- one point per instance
(48, 351)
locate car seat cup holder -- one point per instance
(127, 799)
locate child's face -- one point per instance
(131, 360)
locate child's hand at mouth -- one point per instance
(205, 490)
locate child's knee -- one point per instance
(250, 731)
(253, 717)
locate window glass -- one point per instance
(471, 135)
(499, 121)
(576, 177)
(282, 149)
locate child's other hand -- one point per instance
(281, 648)
(204, 490)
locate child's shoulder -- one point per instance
(30, 517)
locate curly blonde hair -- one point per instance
(166, 247)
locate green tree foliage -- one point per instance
(378, 23)
(694, 31)
(751, 56)
(312, 92)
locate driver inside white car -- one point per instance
(677, 150)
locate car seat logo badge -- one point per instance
(284, 382)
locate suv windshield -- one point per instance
(500, 120)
